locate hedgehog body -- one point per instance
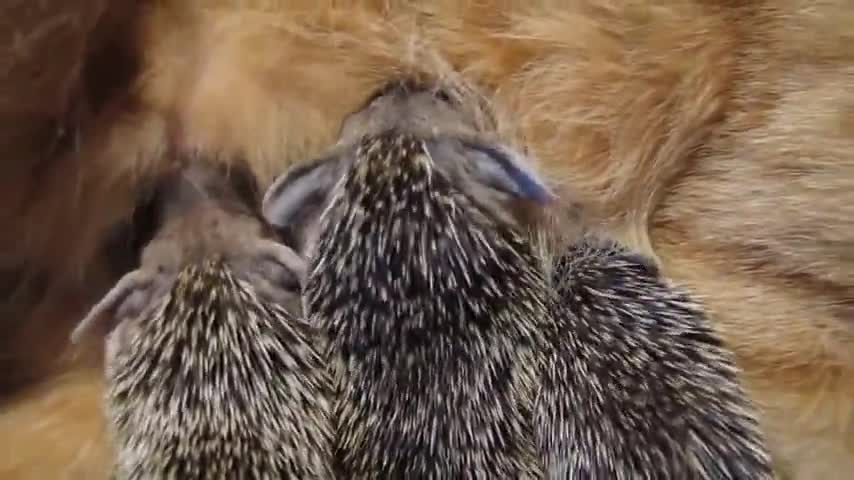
(638, 385)
(211, 371)
(430, 299)
(451, 348)
(431, 326)
(217, 384)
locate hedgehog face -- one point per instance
(403, 133)
(199, 214)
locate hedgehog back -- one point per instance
(638, 385)
(431, 308)
(216, 383)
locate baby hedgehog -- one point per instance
(211, 372)
(431, 298)
(637, 385)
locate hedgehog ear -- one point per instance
(128, 294)
(295, 200)
(496, 166)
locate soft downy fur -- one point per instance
(714, 136)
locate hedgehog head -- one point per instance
(199, 214)
(408, 143)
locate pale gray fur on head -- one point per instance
(638, 385)
(211, 371)
(432, 298)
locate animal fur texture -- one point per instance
(714, 136)
(433, 303)
(210, 370)
(636, 382)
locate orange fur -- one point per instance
(713, 135)
(56, 431)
